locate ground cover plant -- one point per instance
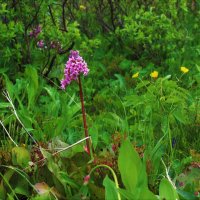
(99, 99)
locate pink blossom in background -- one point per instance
(86, 180)
(40, 43)
(35, 32)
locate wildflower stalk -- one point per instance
(83, 113)
(73, 68)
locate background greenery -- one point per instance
(160, 115)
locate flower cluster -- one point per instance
(40, 43)
(155, 74)
(35, 32)
(55, 45)
(74, 66)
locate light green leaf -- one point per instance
(146, 194)
(126, 194)
(180, 116)
(20, 156)
(129, 165)
(111, 192)
(32, 88)
(167, 191)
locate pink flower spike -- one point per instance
(73, 68)
(86, 180)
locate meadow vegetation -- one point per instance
(99, 99)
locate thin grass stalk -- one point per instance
(8, 133)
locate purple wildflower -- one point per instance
(40, 43)
(74, 66)
(173, 142)
(35, 32)
(53, 45)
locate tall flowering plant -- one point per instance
(74, 67)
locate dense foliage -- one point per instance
(141, 96)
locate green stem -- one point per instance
(113, 174)
(170, 139)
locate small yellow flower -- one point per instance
(82, 7)
(184, 70)
(135, 75)
(154, 74)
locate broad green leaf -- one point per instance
(129, 165)
(20, 156)
(126, 194)
(142, 178)
(187, 195)
(167, 190)
(180, 116)
(32, 88)
(22, 190)
(146, 194)
(110, 189)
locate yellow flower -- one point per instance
(135, 75)
(154, 74)
(184, 70)
(82, 7)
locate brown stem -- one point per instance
(83, 114)
(52, 17)
(63, 16)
